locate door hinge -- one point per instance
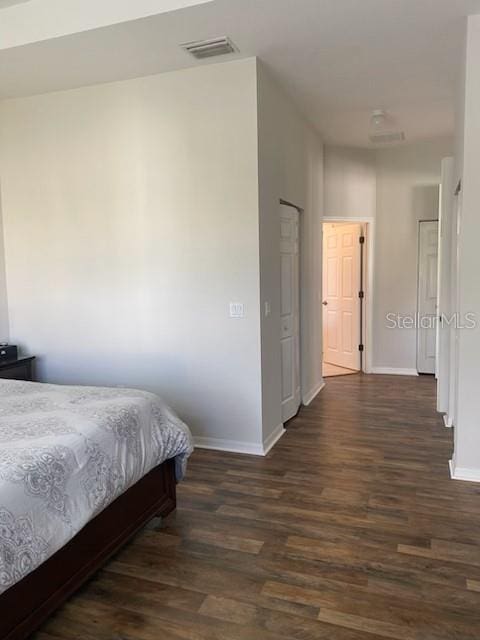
(360, 347)
(361, 294)
(362, 239)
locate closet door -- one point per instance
(427, 296)
(290, 311)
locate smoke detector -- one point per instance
(381, 130)
(378, 118)
(202, 49)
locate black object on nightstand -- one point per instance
(19, 369)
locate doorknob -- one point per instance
(324, 303)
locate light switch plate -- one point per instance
(237, 310)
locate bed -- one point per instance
(81, 470)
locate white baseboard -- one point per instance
(463, 473)
(447, 421)
(236, 446)
(233, 446)
(311, 395)
(393, 371)
(273, 438)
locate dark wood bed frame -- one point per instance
(27, 604)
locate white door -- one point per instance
(290, 311)
(427, 296)
(444, 284)
(341, 301)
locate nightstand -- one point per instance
(20, 369)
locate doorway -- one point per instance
(346, 298)
(343, 293)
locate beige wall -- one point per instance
(408, 179)
(396, 187)
(290, 167)
(135, 212)
(4, 330)
(350, 182)
(466, 460)
(131, 222)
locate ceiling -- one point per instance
(41, 20)
(9, 3)
(338, 59)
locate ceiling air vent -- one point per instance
(210, 48)
(387, 137)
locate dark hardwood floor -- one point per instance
(349, 530)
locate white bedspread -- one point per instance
(65, 454)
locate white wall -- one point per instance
(447, 230)
(4, 330)
(408, 179)
(396, 186)
(466, 460)
(290, 167)
(35, 20)
(131, 222)
(350, 182)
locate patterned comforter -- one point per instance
(65, 454)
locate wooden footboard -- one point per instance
(27, 604)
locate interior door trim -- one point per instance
(419, 249)
(290, 204)
(367, 338)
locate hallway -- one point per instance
(350, 527)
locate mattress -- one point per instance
(66, 453)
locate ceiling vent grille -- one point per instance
(210, 48)
(387, 137)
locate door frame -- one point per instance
(417, 337)
(368, 266)
(450, 418)
(445, 225)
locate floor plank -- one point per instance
(350, 529)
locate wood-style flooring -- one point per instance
(329, 370)
(350, 529)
